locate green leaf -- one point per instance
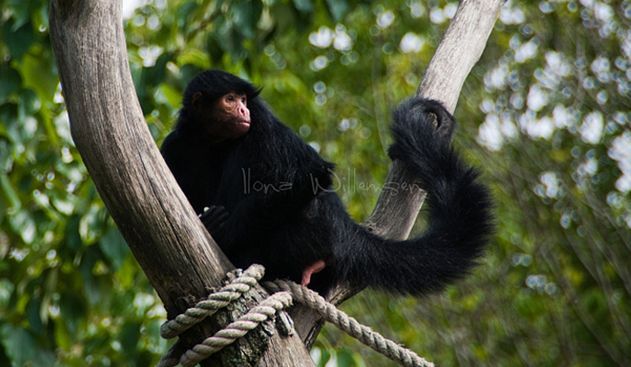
(22, 348)
(11, 82)
(73, 310)
(345, 358)
(129, 336)
(18, 41)
(40, 79)
(8, 191)
(325, 356)
(246, 15)
(29, 102)
(338, 8)
(227, 38)
(63, 205)
(91, 262)
(183, 14)
(168, 94)
(21, 12)
(303, 6)
(91, 224)
(33, 315)
(194, 56)
(156, 73)
(6, 290)
(73, 239)
(24, 225)
(114, 247)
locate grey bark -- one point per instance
(171, 245)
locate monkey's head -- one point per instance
(216, 103)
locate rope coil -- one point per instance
(284, 293)
(216, 301)
(264, 311)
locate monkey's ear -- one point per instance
(255, 93)
(196, 98)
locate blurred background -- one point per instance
(545, 114)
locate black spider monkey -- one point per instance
(271, 201)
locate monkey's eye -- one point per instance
(234, 97)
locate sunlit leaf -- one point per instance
(38, 78)
(6, 289)
(9, 192)
(24, 225)
(167, 94)
(195, 57)
(91, 224)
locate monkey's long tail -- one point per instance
(460, 219)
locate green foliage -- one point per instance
(545, 114)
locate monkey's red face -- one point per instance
(233, 114)
(226, 118)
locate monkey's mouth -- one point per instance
(242, 126)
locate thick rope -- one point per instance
(287, 290)
(264, 311)
(226, 295)
(348, 324)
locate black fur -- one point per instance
(282, 213)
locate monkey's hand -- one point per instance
(214, 218)
(422, 130)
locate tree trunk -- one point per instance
(173, 248)
(171, 245)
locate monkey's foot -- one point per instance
(316, 267)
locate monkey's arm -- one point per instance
(182, 155)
